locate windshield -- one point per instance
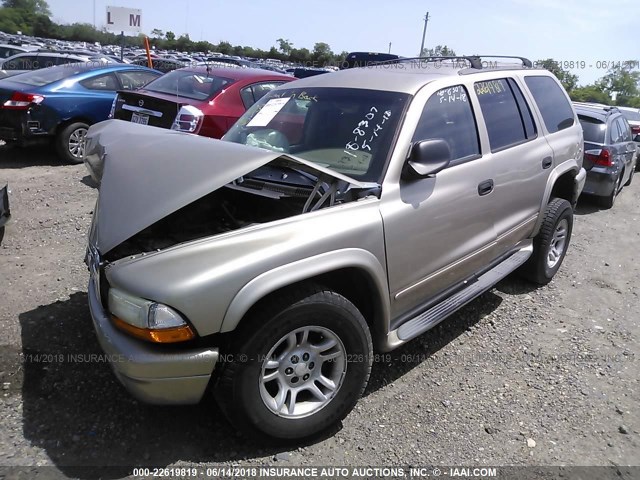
(189, 84)
(593, 129)
(346, 129)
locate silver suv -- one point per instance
(342, 211)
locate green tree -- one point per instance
(623, 80)
(439, 51)
(590, 93)
(285, 46)
(170, 36)
(569, 80)
(156, 32)
(322, 54)
(37, 7)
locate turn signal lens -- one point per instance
(165, 335)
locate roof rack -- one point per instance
(607, 108)
(474, 60)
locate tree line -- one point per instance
(32, 17)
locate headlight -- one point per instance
(147, 320)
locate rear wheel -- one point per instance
(299, 366)
(610, 200)
(551, 243)
(70, 142)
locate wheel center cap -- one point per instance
(300, 369)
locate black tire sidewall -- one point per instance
(347, 324)
(564, 213)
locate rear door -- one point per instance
(520, 159)
(626, 147)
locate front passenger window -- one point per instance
(447, 115)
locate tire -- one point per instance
(633, 171)
(551, 243)
(1, 233)
(252, 387)
(609, 201)
(70, 142)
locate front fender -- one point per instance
(308, 268)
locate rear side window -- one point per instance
(21, 63)
(625, 130)
(502, 114)
(102, 82)
(592, 129)
(134, 80)
(448, 115)
(255, 92)
(556, 110)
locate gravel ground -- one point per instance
(521, 376)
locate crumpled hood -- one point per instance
(149, 173)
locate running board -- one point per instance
(434, 315)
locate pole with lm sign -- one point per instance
(124, 19)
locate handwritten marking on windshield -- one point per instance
(452, 94)
(366, 128)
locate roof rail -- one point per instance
(474, 60)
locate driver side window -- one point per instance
(448, 115)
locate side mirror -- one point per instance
(427, 158)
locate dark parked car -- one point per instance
(610, 154)
(363, 59)
(202, 100)
(5, 213)
(61, 102)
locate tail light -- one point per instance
(112, 112)
(22, 101)
(189, 119)
(635, 129)
(600, 156)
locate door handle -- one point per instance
(547, 162)
(485, 188)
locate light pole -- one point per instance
(424, 33)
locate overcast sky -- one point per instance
(566, 30)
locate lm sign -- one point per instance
(124, 19)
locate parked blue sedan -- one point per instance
(59, 103)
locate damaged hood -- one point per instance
(149, 173)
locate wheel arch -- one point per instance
(354, 273)
(561, 184)
(65, 123)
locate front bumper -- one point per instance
(151, 373)
(601, 181)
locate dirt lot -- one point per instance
(522, 376)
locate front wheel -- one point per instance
(551, 243)
(299, 366)
(70, 142)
